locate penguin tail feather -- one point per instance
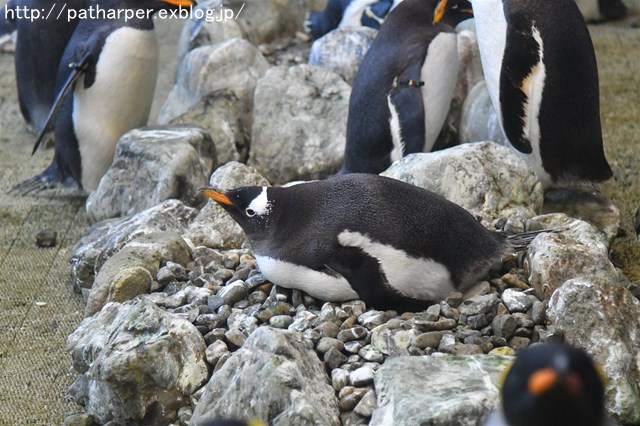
(520, 242)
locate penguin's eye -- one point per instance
(455, 6)
(250, 212)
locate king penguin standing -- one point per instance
(541, 72)
(106, 83)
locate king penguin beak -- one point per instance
(439, 13)
(181, 3)
(216, 195)
(542, 380)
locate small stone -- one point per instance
(479, 304)
(354, 307)
(349, 402)
(367, 404)
(339, 378)
(221, 361)
(231, 260)
(46, 238)
(428, 340)
(362, 376)
(370, 354)
(184, 415)
(517, 343)
(478, 321)
(524, 332)
(454, 299)
(523, 320)
(353, 333)
(446, 343)
(334, 358)
(441, 325)
(80, 419)
(464, 349)
(353, 346)
(516, 301)
(327, 329)
(241, 274)
(233, 292)
(296, 298)
(215, 351)
(326, 343)
(235, 337)
(255, 280)
(514, 281)
(432, 313)
(223, 274)
(257, 297)
(214, 335)
(504, 326)
(210, 321)
(280, 321)
(504, 351)
(372, 319)
(279, 308)
(514, 225)
(348, 321)
(449, 312)
(165, 275)
(538, 313)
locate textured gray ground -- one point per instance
(34, 367)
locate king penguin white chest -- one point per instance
(118, 101)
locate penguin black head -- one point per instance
(250, 206)
(452, 12)
(553, 385)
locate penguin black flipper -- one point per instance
(519, 65)
(408, 102)
(365, 276)
(76, 69)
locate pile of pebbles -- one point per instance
(501, 317)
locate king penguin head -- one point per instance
(250, 206)
(452, 12)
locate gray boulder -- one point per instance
(266, 20)
(437, 391)
(164, 163)
(133, 268)
(233, 65)
(342, 50)
(604, 319)
(106, 238)
(219, 113)
(138, 364)
(276, 377)
(299, 123)
(213, 227)
(205, 30)
(487, 179)
(576, 250)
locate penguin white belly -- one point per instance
(315, 283)
(440, 72)
(412, 277)
(533, 87)
(353, 13)
(491, 29)
(119, 99)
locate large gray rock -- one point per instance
(163, 162)
(138, 364)
(234, 65)
(487, 179)
(219, 113)
(604, 319)
(105, 238)
(266, 20)
(437, 391)
(479, 120)
(133, 268)
(206, 26)
(213, 227)
(342, 50)
(576, 250)
(299, 123)
(276, 377)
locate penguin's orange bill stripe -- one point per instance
(541, 381)
(216, 196)
(182, 3)
(439, 13)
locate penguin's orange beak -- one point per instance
(541, 381)
(439, 13)
(181, 3)
(216, 196)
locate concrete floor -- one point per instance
(38, 308)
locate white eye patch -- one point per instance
(259, 205)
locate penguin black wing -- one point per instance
(517, 81)
(406, 97)
(365, 276)
(85, 64)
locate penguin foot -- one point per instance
(45, 186)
